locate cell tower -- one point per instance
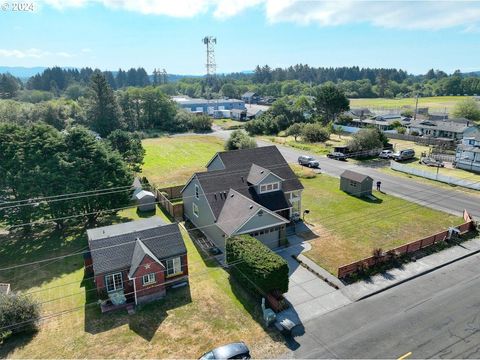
(210, 42)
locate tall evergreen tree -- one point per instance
(104, 113)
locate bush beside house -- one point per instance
(255, 266)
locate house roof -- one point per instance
(257, 174)
(136, 183)
(249, 94)
(4, 288)
(444, 125)
(474, 149)
(238, 210)
(354, 176)
(121, 251)
(238, 163)
(124, 228)
(143, 193)
(139, 253)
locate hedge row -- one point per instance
(255, 266)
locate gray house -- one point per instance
(356, 184)
(250, 97)
(250, 191)
(208, 106)
(467, 156)
(446, 129)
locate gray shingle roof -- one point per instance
(257, 174)
(123, 228)
(352, 175)
(237, 210)
(444, 125)
(113, 253)
(238, 164)
(144, 193)
(139, 253)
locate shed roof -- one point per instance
(144, 193)
(354, 176)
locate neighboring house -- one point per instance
(443, 129)
(467, 156)
(135, 262)
(250, 97)
(250, 191)
(221, 114)
(254, 113)
(4, 289)
(146, 201)
(359, 113)
(355, 183)
(208, 107)
(239, 115)
(381, 123)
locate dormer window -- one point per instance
(264, 188)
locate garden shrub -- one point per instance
(255, 266)
(18, 313)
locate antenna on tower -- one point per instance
(211, 66)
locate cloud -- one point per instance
(31, 53)
(405, 14)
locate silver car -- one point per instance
(309, 161)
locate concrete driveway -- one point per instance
(309, 295)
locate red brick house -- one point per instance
(136, 262)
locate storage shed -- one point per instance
(145, 200)
(4, 289)
(355, 183)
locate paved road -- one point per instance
(434, 316)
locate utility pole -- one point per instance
(416, 108)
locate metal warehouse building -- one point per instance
(208, 106)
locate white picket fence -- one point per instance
(467, 183)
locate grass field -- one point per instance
(317, 148)
(229, 124)
(188, 322)
(437, 103)
(350, 228)
(173, 160)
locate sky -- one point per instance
(109, 34)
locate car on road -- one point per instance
(337, 155)
(236, 350)
(404, 155)
(431, 162)
(386, 154)
(309, 161)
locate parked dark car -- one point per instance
(236, 350)
(337, 155)
(431, 162)
(309, 161)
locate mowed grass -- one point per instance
(172, 160)
(350, 228)
(188, 322)
(228, 124)
(437, 103)
(317, 148)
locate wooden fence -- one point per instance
(411, 247)
(166, 195)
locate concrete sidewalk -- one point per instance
(393, 277)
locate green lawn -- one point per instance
(350, 228)
(229, 124)
(190, 321)
(173, 160)
(436, 103)
(317, 148)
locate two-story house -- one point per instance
(468, 152)
(250, 191)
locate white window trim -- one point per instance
(195, 209)
(113, 281)
(197, 192)
(149, 279)
(176, 266)
(264, 186)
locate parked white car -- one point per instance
(386, 154)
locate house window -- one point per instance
(195, 209)
(197, 192)
(174, 266)
(269, 187)
(353, 184)
(148, 279)
(114, 282)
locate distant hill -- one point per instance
(21, 72)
